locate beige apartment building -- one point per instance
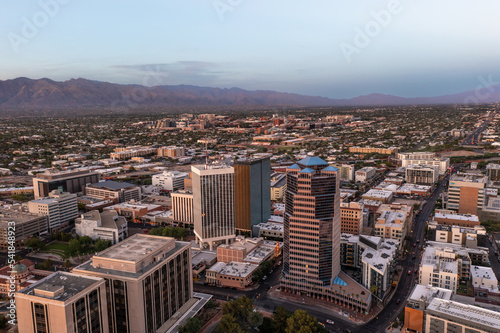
(370, 150)
(171, 151)
(351, 217)
(63, 303)
(148, 282)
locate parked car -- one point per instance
(329, 321)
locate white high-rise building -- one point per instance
(213, 203)
(60, 208)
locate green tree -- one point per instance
(228, 324)
(303, 322)
(280, 317)
(85, 240)
(101, 245)
(46, 265)
(373, 289)
(267, 326)
(242, 311)
(35, 243)
(74, 247)
(192, 325)
(81, 206)
(67, 263)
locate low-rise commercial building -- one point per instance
(114, 191)
(450, 316)
(450, 218)
(268, 230)
(419, 300)
(107, 226)
(365, 174)
(134, 210)
(484, 278)
(378, 195)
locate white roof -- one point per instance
(238, 269)
(462, 311)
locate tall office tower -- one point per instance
(148, 282)
(252, 192)
(63, 303)
(213, 203)
(311, 249)
(65, 181)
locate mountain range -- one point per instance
(45, 94)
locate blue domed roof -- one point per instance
(19, 268)
(330, 168)
(312, 161)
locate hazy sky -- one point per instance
(331, 48)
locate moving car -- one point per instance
(331, 322)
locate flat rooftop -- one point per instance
(87, 266)
(482, 272)
(135, 248)
(377, 194)
(60, 286)
(112, 185)
(238, 269)
(471, 313)
(428, 293)
(465, 177)
(14, 215)
(462, 217)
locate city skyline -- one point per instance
(332, 49)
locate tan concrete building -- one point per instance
(182, 206)
(466, 193)
(24, 225)
(461, 220)
(63, 303)
(351, 218)
(114, 191)
(370, 150)
(129, 152)
(171, 151)
(422, 174)
(148, 282)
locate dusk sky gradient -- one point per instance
(428, 48)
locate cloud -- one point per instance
(179, 72)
